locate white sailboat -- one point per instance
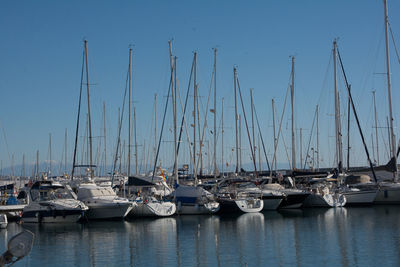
(148, 196)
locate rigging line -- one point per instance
(78, 116)
(394, 43)
(163, 123)
(119, 130)
(247, 128)
(356, 117)
(262, 139)
(309, 140)
(184, 109)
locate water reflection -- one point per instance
(331, 237)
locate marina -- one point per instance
(208, 149)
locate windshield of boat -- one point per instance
(50, 194)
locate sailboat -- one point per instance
(150, 197)
(389, 192)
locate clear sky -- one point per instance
(41, 55)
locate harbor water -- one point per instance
(367, 236)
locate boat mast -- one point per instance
(50, 154)
(236, 121)
(174, 95)
(89, 121)
(37, 164)
(194, 114)
(273, 126)
(317, 137)
(222, 147)
(252, 124)
(293, 130)
(240, 143)
(215, 113)
(105, 140)
(301, 147)
(339, 154)
(376, 128)
(129, 110)
(155, 124)
(392, 137)
(348, 134)
(136, 154)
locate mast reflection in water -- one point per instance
(331, 237)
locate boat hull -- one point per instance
(52, 216)
(293, 200)
(106, 211)
(272, 203)
(152, 209)
(360, 198)
(240, 206)
(388, 194)
(194, 208)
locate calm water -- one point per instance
(367, 236)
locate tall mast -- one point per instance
(273, 126)
(37, 164)
(155, 124)
(222, 132)
(240, 142)
(65, 150)
(317, 137)
(376, 128)
(252, 124)
(174, 95)
(392, 137)
(89, 121)
(348, 133)
(301, 148)
(120, 150)
(293, 130)
(194, 115)
(259, 153)
(339, 154)
(136, 154)
(129, 110)
(236, 122)
(105, 139)
(49, 153)
(215, 113)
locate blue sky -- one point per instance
(41, 55)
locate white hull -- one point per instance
(360, 197)
(250, 205)
(388, 193)
(152, 209)
(108, 211)
(325, 201)
(209, 208)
